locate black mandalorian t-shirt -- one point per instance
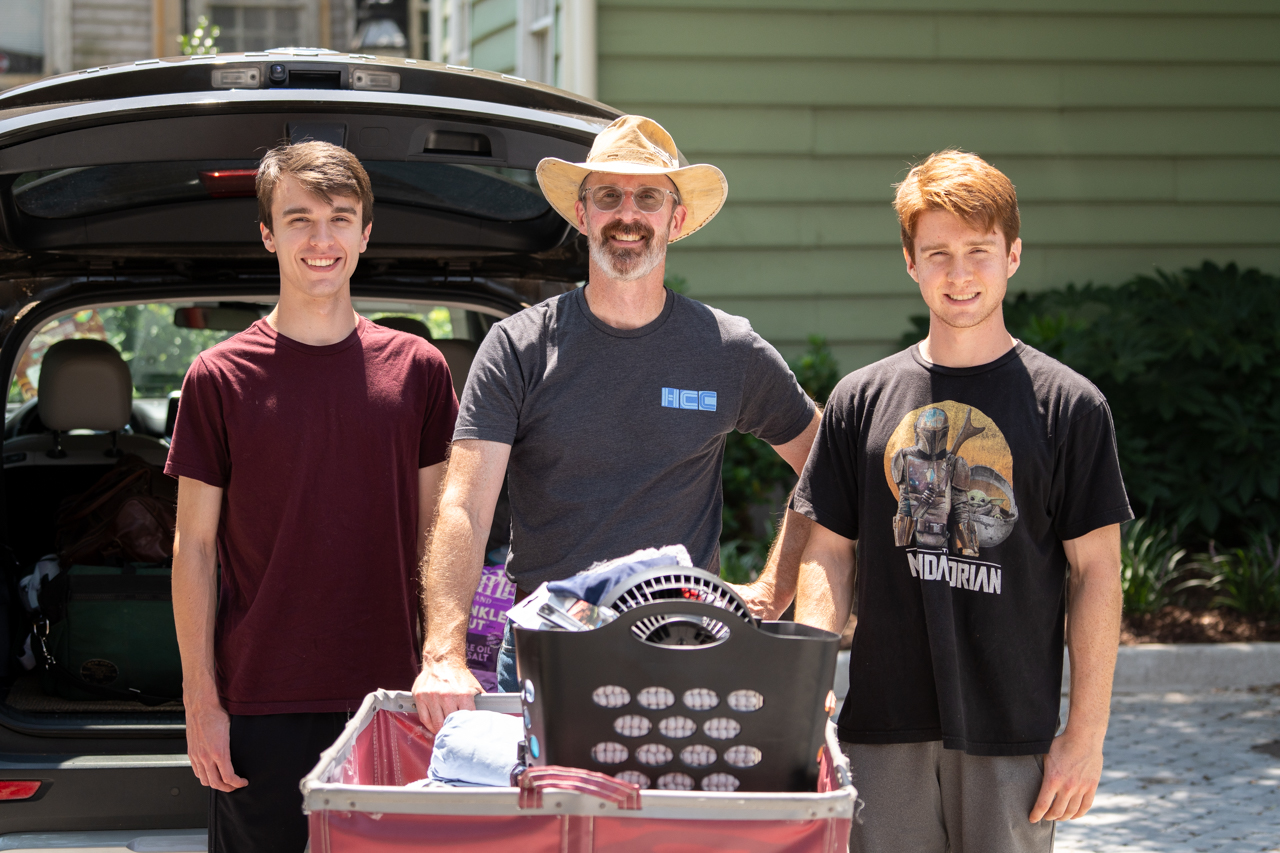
(960, 485)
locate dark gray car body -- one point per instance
(117, 771)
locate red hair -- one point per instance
(962, 184)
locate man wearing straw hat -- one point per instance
(608, 409)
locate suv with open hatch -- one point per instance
(128, 244)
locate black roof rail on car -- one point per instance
(298, 68)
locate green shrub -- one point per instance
(742, 560)
(1246, 579)
(816, 370)
(752, 474)
(1150, 564)
(201, 40)
(1190, 365)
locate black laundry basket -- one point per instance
(682, 741)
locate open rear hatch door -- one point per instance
(152, 165)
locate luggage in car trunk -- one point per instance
(107, 633)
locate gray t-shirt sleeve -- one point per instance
(494, 393)
(775, 408)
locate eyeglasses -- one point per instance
(646, 199)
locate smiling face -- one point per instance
(963, 274)
(317, 242)
(626, 243)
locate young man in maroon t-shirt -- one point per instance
(309, 450)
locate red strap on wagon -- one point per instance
(536, 779)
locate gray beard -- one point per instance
(627, 265)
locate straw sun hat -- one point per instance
(635, 145)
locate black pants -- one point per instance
(273, 752)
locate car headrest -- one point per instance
(84, 384)
(459, 353)
(412, 325)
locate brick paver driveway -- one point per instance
(1187, 772)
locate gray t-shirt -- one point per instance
(617, 435)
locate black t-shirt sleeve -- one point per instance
(828, 488)
(1088, 490)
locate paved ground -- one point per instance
(1187, 772)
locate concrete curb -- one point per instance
(1168, 667)
(1172, 667)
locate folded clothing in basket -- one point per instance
(477, 749)
(598, 581)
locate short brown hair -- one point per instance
(318, 167)
(960, 183)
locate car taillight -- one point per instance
(10, 790)
(230, 183)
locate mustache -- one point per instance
(639, 228)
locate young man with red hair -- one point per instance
(967, 494)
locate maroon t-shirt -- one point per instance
(318, 451)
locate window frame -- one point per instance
(308, 19)
(536, 40)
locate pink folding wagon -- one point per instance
(358, 799)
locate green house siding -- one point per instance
(495, 32)
(1139, 135)
(493, 35)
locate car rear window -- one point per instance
(158, 352)
(484, 192)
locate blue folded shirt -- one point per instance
(594, 584)
(476, 749)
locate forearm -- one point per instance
(1093, 638)
(770, 594)
(195, 604)
(430, 481)
(452, 577)
(777, 582)
(824, 595)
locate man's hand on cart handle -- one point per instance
(442, 688)
(762, 599)
(209, 746)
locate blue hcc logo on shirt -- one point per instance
(674, 398)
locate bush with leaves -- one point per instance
(1151, 562)
(1190, 364)
(200, 41)
(1245, 579)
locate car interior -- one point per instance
(103, 381)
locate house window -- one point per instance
(257, 26)
(22, 38)
(458, 32)
(420, 29)
(537, 57)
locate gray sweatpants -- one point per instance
(922, 798)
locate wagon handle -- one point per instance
(536, 779)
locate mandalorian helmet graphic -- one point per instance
(931, 432)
